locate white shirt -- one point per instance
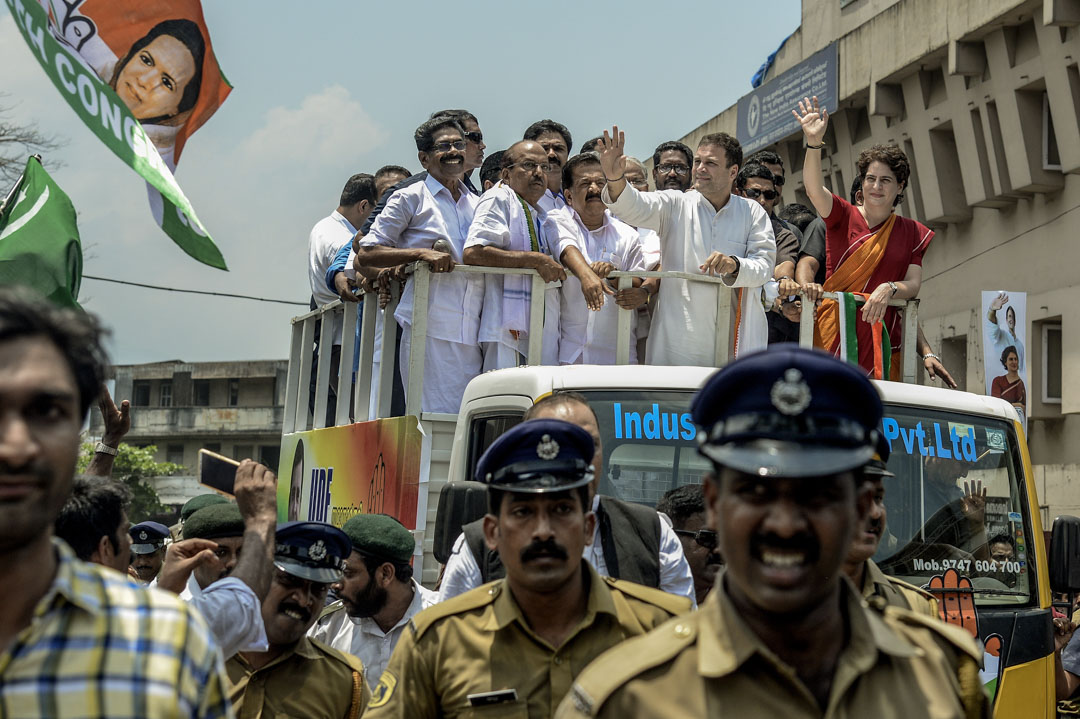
(587, 336)
(233, 612)
(362, 637)
(462, 573)
(415, 217)
(550, 201)
(1002, 338)
(327, 237)
(498, 211)
(650, 248)
(690, 230)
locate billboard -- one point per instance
(331, 474)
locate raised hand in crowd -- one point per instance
(813, 119)
(181, 559)
(117, 422)
(613, 160)
(256, 496)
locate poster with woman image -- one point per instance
(1004, 321)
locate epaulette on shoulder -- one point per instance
(482, 596)
(912, 588)
(329, 609)
(630, 658)
(347, 659)
(951, 634)
(673, 604)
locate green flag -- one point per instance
(39, 240)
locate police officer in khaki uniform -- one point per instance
(785, 634)
(298, 676)
(511, 648)
(875, 585)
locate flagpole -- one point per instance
(18, 184)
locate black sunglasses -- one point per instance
(705, 537)
(476, 137)
(753, 194)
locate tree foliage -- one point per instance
(18, 142)
(132, 466)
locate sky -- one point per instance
(324, 90)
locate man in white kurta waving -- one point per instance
(706, 230)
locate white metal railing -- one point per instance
(360, 344)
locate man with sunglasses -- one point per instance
(755, 182)
(510, 229)
(775, 163)
(685, 506)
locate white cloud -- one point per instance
(325, 127)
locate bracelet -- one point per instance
(616, 179)
(104, 449)
(893, 287)
(928, 355)
(820, 146)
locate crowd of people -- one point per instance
(576, 219)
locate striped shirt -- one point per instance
(101, 646)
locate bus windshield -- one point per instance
(957, 501)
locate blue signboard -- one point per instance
(764, 116)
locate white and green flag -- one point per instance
(141, 75)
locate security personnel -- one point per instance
(873, 583)
(192, 506)
(785, 633)
(299, 676)
(148, 549)
(512, 647)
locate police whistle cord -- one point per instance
(195, 292)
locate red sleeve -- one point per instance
(924, 235)
(836, 231)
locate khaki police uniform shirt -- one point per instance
(309, 680)
(479, 642)
(896, 665)
(897, 593)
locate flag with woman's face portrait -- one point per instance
(142, 75)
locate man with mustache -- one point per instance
(510, 230)
(415, 219)
(378, 595)
(785, 634)
(297, 676)
(685, 506)
(593, 244)
(557, 143)
(148, 549)
(511, 648)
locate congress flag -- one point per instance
(141, 74)
(39, 240)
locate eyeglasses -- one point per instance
(753, 194)
(476, 137)
(530, 166)
(705, 537)
(677, 169)
(458, 145)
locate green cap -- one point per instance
(381, 537)
(217, 520)
(194, 504)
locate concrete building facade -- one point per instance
(984, 97)
(233, 408)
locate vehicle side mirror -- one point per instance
(459, 504)
(1065, 556)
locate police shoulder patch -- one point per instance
(467, 602)
(912, 588)
(329, 609)
(959, 639)
(673, 604)
(383, 690)
(353, 663)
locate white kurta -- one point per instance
(589, 337)
(683, 329)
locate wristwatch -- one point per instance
(105, 449)
(894, 288)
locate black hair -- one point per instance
(766, 156)
(391, 170)
(360, 186)
(856, 187)
(731, 147)
(495, 498)
(1002, 539)
(591, 145)
(1010, 350)
(402, 572)
(94, 510)
(583, 158)
(672, 145)
(78, 335)
(425, 134)
(459, 115)
(752, 169)
(681, 503)
(799, 215)
(539, 127)
(492, 167)
(189, 34)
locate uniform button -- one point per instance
(558, 661)
(681, 630)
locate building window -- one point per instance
(270, 455)
(174, 453)
(1051, 153)
(243, 451)
(165, 394)
(201, 393)
(214, 447)
(141, 391)
(234, 392)
(1051, 363)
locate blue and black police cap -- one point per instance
(538, 456)
(878, 464)
(148, 537)
(789, 412)
(311, 550)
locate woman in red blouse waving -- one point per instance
(869, 249)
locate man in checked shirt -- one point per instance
(76, 639)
